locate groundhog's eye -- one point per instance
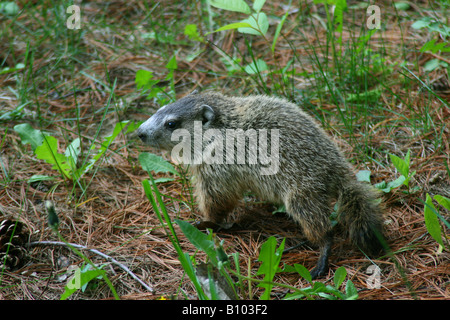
(172, 124)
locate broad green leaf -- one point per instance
(294, 296)
(39, 177)
(331, 293)
(199, 240)
(434, 48)
(258, 25)
(401, 165)
(132, 126)
(258, 4)
(363, 175)
(256, 67)
(387, 187)
(401, 5)
(396, 183)
(339, 276)
(78, 280)
(270, 257)
(9, 7)
(350, 291)
(233, 26)
(163, 179)
(231, 5)
(443, 201)
(407, 160)
(152, 162)
(422, 23)
(432, 221)
(29, 135)
(433, 64)
(142, 77)
(381, 185)
(303, 272)
(48, 151)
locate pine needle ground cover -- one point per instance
(72, 92)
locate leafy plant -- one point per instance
(151, 87)
(9, 8)
(402, 165)
(46, 148)
(364, 175)
(80, 280)
(432, 217)
(218, 261)
(443, 30)
(152, 162)
(338, 15)
(256, 23)
(153, 194)
(82, 276)
(270, 256)
(320, 289)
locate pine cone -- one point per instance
(13, 238)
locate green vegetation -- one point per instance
(70, 100)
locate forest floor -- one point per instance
(376, 94)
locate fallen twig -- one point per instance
(111, 259)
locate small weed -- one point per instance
(67, 164)
(83, 276)
(403, 166)
(432, 217)
(161, 94)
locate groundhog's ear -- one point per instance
(208, 114)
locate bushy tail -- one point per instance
(360, 213)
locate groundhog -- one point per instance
(268, 146)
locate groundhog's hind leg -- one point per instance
(311, 213)
(321, 267)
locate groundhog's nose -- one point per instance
(141, 134)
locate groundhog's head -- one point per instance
(183, 114)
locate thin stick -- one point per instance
(122, 266)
